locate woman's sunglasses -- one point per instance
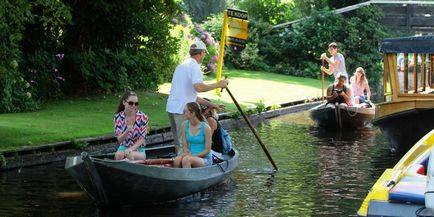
(133, 103)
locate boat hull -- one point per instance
(341, 116)
(404, 129)
(110, 182)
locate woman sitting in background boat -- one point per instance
(196, 139)
(359, 84)
(130, 128)
(338, 92)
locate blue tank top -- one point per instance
(196, 143)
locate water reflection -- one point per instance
(320, 173)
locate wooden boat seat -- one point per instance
(409, 189)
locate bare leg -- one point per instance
(136, 155)
(191, 161)
(119, 155)
(177, 162)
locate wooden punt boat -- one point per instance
(113, 182)
(342, 117)
(407, 112)
(401, 190)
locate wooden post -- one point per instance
(385, 63)
(406, 73)
(415, 72)
(422, 70)
(431, 65)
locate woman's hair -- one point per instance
(362, 78)
(209, 112)
(362, 72)
(123, 98)
(194, 107)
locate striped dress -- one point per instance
(140, 128)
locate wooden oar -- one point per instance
(322, 72)
(252, 129)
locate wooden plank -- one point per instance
(394, 9)
(422, 70)
(409, 12)
(385, 73)
(415, 72)
(431, 70)
(395, 21)
(423, 9)
(406, 73)
(421, 21)
(384, 109)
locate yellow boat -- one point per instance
(407, 112)
(400, 191)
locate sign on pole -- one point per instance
(237, 29)
(234, 33)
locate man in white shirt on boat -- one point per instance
(187, 81)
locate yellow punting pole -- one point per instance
(222, 48)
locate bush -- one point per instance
(17, 93)
(188, 32)
(296, 50)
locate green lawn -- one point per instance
(74, 118)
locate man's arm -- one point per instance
(202, 87)
(209, 104)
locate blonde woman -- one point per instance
(196, 139)
(359, 84)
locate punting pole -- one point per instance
(253, 130)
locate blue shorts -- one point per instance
(362, 99)
(207, 160)
(123, 148)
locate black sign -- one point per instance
(237, 14)
(236, 44)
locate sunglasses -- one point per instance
(133, 103)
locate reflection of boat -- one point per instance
(112, 182)
(341, 117)
(400, 191)
(407, 112)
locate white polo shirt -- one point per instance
(182, 91)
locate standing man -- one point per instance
(187, 81)
(336, 62)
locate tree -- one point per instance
(201, 10)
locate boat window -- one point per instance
(415, 73)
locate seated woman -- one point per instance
(212, 120)
(130, 128)
(359, 84)
(339, 92)
(196, 139)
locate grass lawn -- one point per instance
(74, 118)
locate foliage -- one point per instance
(201, 10)
(301, 46)
(131, 48)
(196, 31)
(270, 11)
(260, 106)
(79, 144)
(3, 161)
(16, 94)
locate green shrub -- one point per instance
(296, 50)
(17, 93)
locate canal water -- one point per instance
(321, 173)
